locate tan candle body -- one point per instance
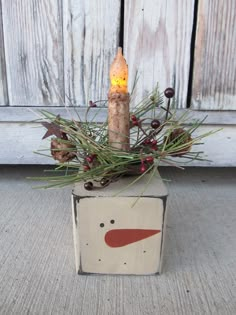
(118, 120)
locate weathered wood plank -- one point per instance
(3, 78)
(157, 38)
(214, 84)
(91, 35)
(19, 143)
(24, 114)
(34, 51)
(20, 140)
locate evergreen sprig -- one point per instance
(157, 136)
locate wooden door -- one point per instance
(57, 53)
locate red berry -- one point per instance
(147, 141)
(154, 147)
(149, 159)
(155, 124)
(169, 92)
(133, 117)
(86, 168)
(89, 159)
(143, 168)
(136, 123)
(154, 142)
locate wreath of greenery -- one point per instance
(157, 135)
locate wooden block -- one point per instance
(118, 234)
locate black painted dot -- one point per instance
(124, 263)
(99, 259)
(102, 224)
(87, 244)
(112, 221)
(144, 251)
(187, 291)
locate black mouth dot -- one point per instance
(102, 225)
(112, 221)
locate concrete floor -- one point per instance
(37, 274)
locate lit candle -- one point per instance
(118, 104)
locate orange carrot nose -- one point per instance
(122, 237)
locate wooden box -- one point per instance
(119, 234)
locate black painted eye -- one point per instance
(112, 221)
(102, 224)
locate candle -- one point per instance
(118, 104)
(119, 74)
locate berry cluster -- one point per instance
(152, 143)
(148, 142)
(152, 140)
(89, 159)
(135, 121)
(145, 162)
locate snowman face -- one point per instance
(116, 238)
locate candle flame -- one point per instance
(119, 74)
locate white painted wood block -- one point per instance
(119, 234)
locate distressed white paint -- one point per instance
(49, 46)
(75, 233)
(101, 212)
(91, 36)
(24, 114)
(157, 41)
(33, 51)
(219, 148)
(157, 38)
(158, 188)
(20, 140)
(214, 85)
(19, 143)
(140, 257)
(3, 78)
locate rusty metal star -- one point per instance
(53, 129)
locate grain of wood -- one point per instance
(157, 38)
(37, 256)
(214, 84)
(23, 114)
(3, 78)
(91, 36)
(20, 141)
(34, 51)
